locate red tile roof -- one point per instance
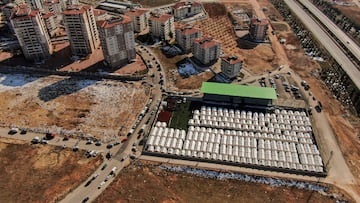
(47, 15)
(162, 18)
(76, 9)
(99, 12)
(232, 59)
(24, 12)
(137, 12)
(111, 22)
(187, 29)
(206, 42)
(184, 3)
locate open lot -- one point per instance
(103, 109)
(146, 182)
(40, 173)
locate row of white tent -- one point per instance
(243, 112)
(255, 120)
(271, 162)
(249, 127)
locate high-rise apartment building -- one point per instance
(206, 49)
(35, 4)
(231, 65)
(185, 9)
(258, 29)
(162, 26)
(81, 29)
(139, 18)
(117, 40)
(185, 35)
(31, 32)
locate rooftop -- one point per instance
(187, 29)
(206, 42)
(47, 15)
(136, 12)
(161, 18)
(259, 21)
(238, 90)
(232, 59)
(76, 9)
(186, 4)
(99, 12)
(113, 21)
(24, 12)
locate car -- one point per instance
(85, 199)
(108, 155)
(88, 142)
(116, 143)
(23, 132)
(95, 176)
(103, 167)
(66, 138)
(101, 184)
(43, 141)
(318, 108)
(109, 146)
(88, 183)
(98, 143)
(13, 131)
(75, 148)
(124, 140)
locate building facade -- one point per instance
(206, 49)
(185, 9)
(117, 40)
(35, 4)
(50, 22)
(31, 32)
(140, 18)
(185, 35)
(231, 65)
(81, 29)
(162, 26)
(258, 29)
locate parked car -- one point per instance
(13, 131)
(85, 199)
(98, 143)
(103, 167)
(23, 132)
(109, 146)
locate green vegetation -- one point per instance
(181, 116)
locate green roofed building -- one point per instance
(238, 94)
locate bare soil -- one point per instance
(145, 182)
(103, 109)
(40, 173)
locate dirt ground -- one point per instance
(345, 125)
(40, 173)
(145, 182)
(103, 109)
(218, 25)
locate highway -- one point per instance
(346, 40)
(328, 43)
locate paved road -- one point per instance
(339, 33)
(326, 41)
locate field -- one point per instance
(70, 105)
(33, 173)
(146, 182)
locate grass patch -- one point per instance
(181, 116)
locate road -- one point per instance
(339, 33)
(335, 51)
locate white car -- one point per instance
(101, 184)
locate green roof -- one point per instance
(238, 90)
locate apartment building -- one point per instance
(31, 33)
(117, 40)
(81, 29)
(139, 18)
(185, 9)
(185, 35)
(258, 29)
(162, 26)
(35, 4)
(231, 65)
(50, 22)
(206, 49)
